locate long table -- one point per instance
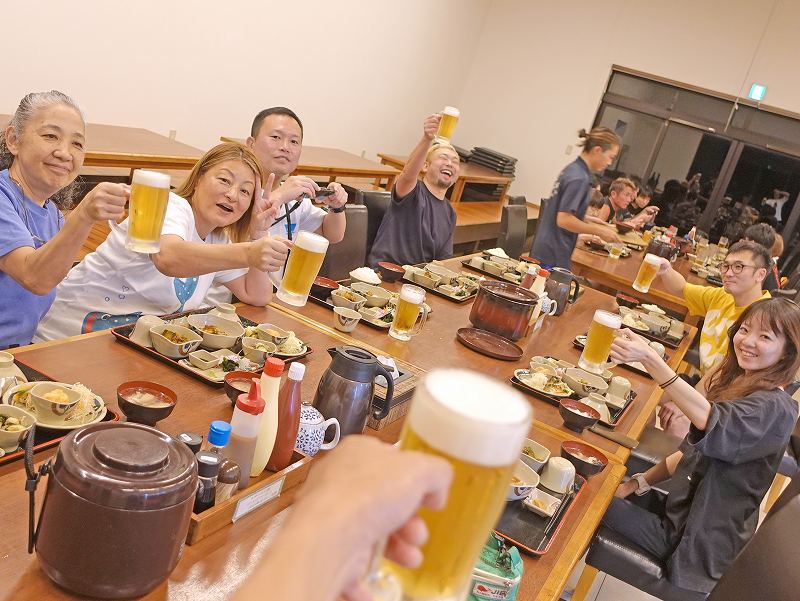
(132, 148)
(213, 568)
(468, 173)
(334, 163)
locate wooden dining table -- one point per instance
(468, 173)
(132, 148)
(217, 565)
(333, 164)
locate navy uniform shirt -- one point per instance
(553, 245)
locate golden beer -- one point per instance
(448, 123)
(303, 265)
(598, 341)
(479, 427)
(408, 308)
(615, 251)
(647, 273)
(146, 210)
(647, 235)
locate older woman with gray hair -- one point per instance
(41, 152)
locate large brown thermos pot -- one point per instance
(116, 510)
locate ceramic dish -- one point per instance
(489, 344)
(534, 455)
(541, 503)
(225, 334)
(523, 480)
(13, 397)
(530, 380)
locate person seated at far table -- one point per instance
(743, 272)
(419, 224)
(741, 422)
(41, 152)
(620, 195)
(646, 214)
(386, 489)
(564, 215)
(215, 229)
(764, 235)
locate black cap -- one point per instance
(191, 440)
(208, 464)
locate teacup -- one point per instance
(619, 387)
(558, 475)
(598, 402)
(345, 319)
(141, 331)
(311, 434)
(53, 412)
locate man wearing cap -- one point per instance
(418, 226)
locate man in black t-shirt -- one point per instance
(419, 225)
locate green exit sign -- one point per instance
(757, 92)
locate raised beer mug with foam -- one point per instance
(479, 426)
(146, 210)
(598, 341)
(647, 273)
(305, 259)
(447, 125)
(409, 305)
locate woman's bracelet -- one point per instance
(669, 382)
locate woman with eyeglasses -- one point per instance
(216, 229)
(741, 420)
(41, 152)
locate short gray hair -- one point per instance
(28, 107)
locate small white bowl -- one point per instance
(344, 319)
(375, 295)
(174, 350)
(258, 355)
(340, 301)
(204, 360)
(231, 330)
(529, 478)
(541, 451)
(583, 382)
(9, 441)
(272, 333)
(51, 412)
(537, 494)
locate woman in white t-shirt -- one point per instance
(214, 231)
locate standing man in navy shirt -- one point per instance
(419, 225)
(563, 217)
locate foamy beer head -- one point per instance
(447, 125)
(154, 179)
(303, 265)
(412, 294)
(652, 259)
(470, 417)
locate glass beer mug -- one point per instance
(647, 273)
(409, 305)
(447, 125)
(598, 341)
(479, 426)
(147, 208)
(305, 259)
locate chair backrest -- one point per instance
(377, 203)
(517, 200)
(513, 229)
(763, 570)
(542, 205)
(350, 253)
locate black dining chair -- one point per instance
(347, 255)
(377, 203)
(513, 229)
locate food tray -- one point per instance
(617, 414)
(263, 492)
(43, 438)
(488, 274)
(526, 529)
(123, 334)
(630, 366)
(454, 299)
(378, 325)
(662, 338)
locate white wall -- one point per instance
(362, 75)
(540, 67)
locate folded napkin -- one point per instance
(391, 367)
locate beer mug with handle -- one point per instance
(409, 305)
(447, 125)
(598, 341)
(305, 259)
(647, 273)
(147, 208)
(479, 426)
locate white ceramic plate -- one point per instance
(99, 413)
(520, 373)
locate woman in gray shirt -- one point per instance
(741, 422)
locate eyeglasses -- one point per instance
(736, 268)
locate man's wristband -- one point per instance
(336, 209)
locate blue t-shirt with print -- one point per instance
(22, 223)
(553, 245)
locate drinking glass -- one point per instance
(647, 273)
(303, 265)
(411, 301)
(146, 210)
(598, 341)
(448, 123)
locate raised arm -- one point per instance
(673, 281)
(42, 269)
(407, 179)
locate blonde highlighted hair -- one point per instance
(438, 146)
(228, 151)
(619, 184)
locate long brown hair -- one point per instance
(729, 381)
(227, 151)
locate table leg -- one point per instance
(504, 193)
(584, 583)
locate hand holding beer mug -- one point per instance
(647, 272)
(479, 426)
(598, 341)
(409, 305)
(146, 210)
(303, 265)
(447, 125)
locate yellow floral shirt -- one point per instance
(720, 311)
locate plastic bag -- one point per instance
(498, 572)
